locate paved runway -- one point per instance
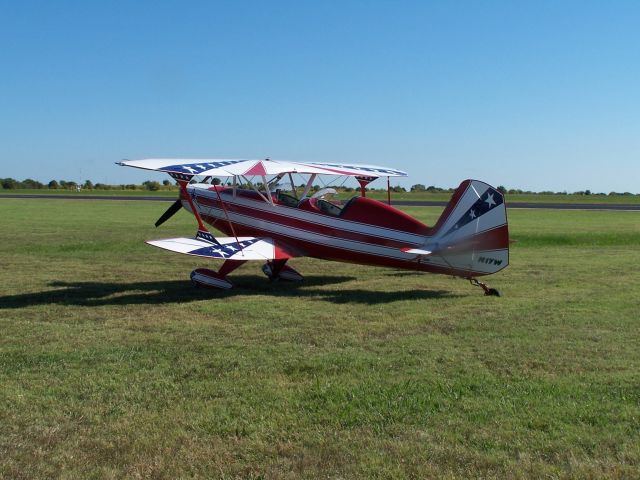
(402, 203)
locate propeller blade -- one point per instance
(171, 211)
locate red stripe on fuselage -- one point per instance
(308, 225)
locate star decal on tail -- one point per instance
(489, 200)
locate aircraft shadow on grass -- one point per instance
(181, 291)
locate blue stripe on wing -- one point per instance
(196, 168)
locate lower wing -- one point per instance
(228, 248)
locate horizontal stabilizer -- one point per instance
(416, 251)
(229, 248)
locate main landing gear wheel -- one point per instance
(205, 278)
(488, 292)
(277, 270)
(266, 269)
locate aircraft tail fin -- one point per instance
(471, 236)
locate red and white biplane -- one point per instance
(268, 223)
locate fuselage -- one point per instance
(363, 231)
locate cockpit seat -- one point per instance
(329, 208)
(287, 200)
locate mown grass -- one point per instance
(112, 365)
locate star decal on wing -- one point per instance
(224, 251)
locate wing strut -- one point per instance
(203, 233)
(293, 187)
(388, 192)
(183, 188)
(226, 214)
(308, 186)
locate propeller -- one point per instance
(171, 211)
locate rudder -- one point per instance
(471, 236)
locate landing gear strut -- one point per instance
(491, 292)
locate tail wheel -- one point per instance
(488, 292)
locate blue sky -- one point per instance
(537, 95)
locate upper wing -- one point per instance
(356, 169)
(231, 167)
(229, 248)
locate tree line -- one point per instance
(13, 184)
(152, 185)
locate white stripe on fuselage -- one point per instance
(306, 235)
(316, 218)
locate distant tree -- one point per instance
(71, 185)
(216, 181)
(501, 189)
(587, 192)
(398, 189)
(88, 184)
(418, 187)
(53, 184)
(30, 183)
(151, 185)
(166, 183)
(9, 183)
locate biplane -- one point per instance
(264, 217)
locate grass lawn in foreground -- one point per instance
(112, 365)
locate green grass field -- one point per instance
(112, 365)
